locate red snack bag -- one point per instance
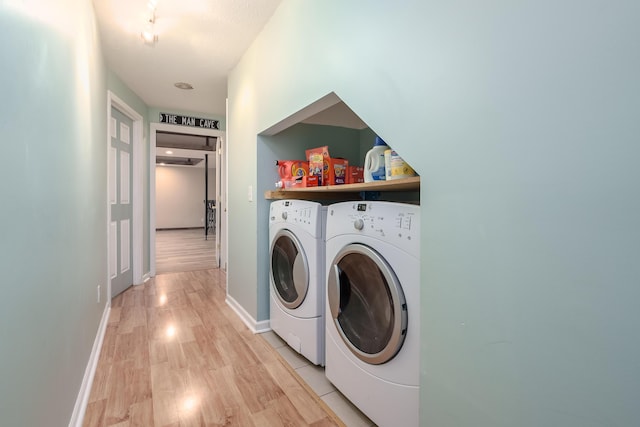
(337, 171)
(356, 174)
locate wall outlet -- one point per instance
(98, 290)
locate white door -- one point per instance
(120, 190)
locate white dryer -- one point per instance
(373, 308)
(297, 281)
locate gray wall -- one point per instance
(521, 119)
(180, 196)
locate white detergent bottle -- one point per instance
(374, 162)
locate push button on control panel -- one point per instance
(406, 223)
(403, 222)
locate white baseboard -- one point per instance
(262, 326)
(85, 389)
(144, 279)
(253, 325)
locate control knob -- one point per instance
(358, 224)
(284, 215)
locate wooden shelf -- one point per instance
(346, 191)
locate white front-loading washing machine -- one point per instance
(373, 308)
(297, 281)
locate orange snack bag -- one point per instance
(316, 158)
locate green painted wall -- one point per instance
(53, 210)
(53, 249)
(522, 120)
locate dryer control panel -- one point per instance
(310, 216)
(396, 223)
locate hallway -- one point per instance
(175, 354)
(184, 250)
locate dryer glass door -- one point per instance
(289, 269)
(367, 304)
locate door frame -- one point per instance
(113, 101)
(153, 128)
(220, 202)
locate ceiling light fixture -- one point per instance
(168, 152)
(148, 37)
(183, 86)
(148, 34)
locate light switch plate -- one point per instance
(250, 193)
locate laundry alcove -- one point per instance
(327, 122)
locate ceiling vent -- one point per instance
(172, 160)
(186, 142)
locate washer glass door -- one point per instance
(367, 304)
(289, 269)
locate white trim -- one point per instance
(153, 128)
(218, 196)
(152, 199)
(138, 197)
(89, 373)
(262, 326)
(247, 319)
(224, 235)
(137, 200)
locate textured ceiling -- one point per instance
(199, 42)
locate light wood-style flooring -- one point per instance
(174, 354)
(184, 250)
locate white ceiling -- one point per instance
(199, 42)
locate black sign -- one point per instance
(196, 122)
